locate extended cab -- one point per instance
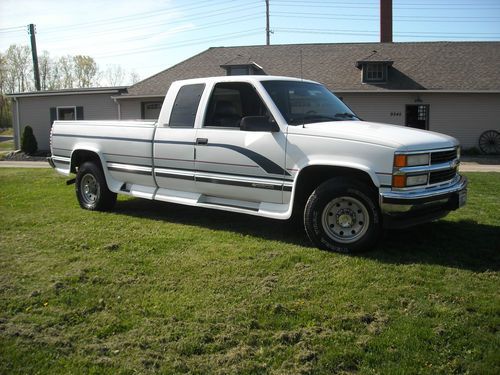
(272, 147)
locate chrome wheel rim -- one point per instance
(345, 219)
(89, 189)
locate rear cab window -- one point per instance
(186, 105)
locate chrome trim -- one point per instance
(128, 167)
(428, 151)
(428, 168)
(437, 192)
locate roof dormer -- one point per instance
(242, 65)
(374, 68)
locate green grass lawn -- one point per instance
(155, 287)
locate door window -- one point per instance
(230, 102)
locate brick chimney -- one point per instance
(385, 21)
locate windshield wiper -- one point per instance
(346, 114)
(320, 117)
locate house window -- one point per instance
(375, 72)
(240, 71)
(150, 110)
(66, 113)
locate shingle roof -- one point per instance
(417, 66)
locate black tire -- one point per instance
(342, 215)
(91, 188)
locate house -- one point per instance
(448, 87)
(40, 108)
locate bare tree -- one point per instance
(134, 77)
(45, 68)
(86, 71)
(114, 75)
(66, 72)
(18, 68)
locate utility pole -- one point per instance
(268, 31)
(36, 72)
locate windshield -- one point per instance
(306, 102)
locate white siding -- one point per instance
(130, 109)
(35, 112)
(463, 116)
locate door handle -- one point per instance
(201, 141)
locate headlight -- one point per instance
(419, 159)
(402, 181)
(416, 180)
(411, 160)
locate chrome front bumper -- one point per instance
(410, 207)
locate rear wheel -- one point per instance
(341, 215)
(91, 189)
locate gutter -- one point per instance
(119, 107)
(120, 97)
(17, 140)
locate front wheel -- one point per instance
(91, 189)
(341, 215)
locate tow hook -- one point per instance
(72, 181)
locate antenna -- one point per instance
(301, 75)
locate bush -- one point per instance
(28, 141)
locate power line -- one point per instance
(167, 46)
(148, 15)
(375, 18)
(376, 33)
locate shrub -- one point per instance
(28, 141)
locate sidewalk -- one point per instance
(470, 165)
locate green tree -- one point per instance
(29, 144)
(86, 71)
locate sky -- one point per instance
(148, 36)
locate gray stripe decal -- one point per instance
(173, 175)
(98, 137)
(134, 165)
(266, 164)
(254, 185)
(123, 170)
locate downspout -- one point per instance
(17, 143)
(119, 108)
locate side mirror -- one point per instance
(258, 124)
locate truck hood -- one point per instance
(394, 136)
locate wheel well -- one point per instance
(81, 156)
(311, 177)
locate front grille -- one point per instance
(442, 176)
(443, 156)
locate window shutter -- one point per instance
(79, 113)
(53, 115)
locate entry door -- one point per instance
(417, 116)
(235, 164)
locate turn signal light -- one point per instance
(399, 181)
(400, 161)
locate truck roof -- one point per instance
(244, 78)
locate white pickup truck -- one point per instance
(272, 147)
